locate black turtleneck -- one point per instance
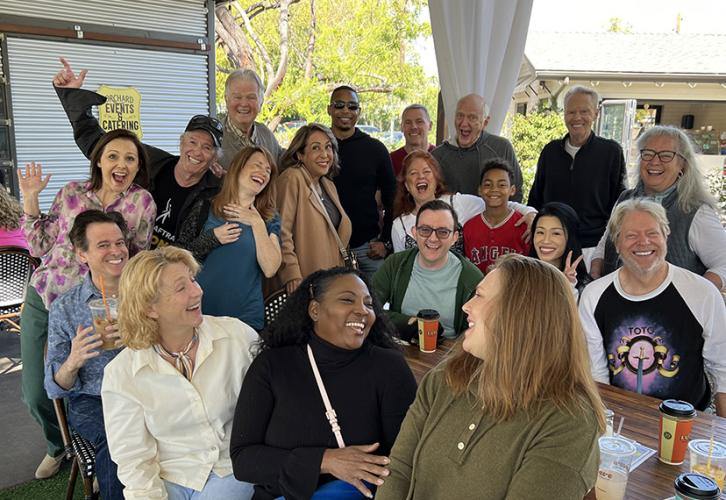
(280, 431)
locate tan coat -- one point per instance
(307, 241)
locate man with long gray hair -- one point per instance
(653, 327)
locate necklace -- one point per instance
(182, 360)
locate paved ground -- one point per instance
(20, 438)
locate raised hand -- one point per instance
(227, 233)
(571, 267)
(355, 464)
(84, 346)
(32, 182)
(66, 78)
(526, 219)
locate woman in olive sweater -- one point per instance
(513, 413)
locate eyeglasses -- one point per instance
(441, 232)
(663, 156)
(352, 105)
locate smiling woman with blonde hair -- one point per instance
(169, 398)
(514, 409)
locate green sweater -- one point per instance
(449, 448)
(391, 281)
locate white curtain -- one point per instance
(479, 47)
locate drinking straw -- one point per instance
(620, 426)
(710, 446)
(103, 298)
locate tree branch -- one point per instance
(260, 7)
(261, 49)
(238, 50)
(311, 44)
(284, 27)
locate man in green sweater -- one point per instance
(428, 276)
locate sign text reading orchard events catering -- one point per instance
(122, 109)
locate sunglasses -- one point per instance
(441, 232)
(352, 105)
(201, 120)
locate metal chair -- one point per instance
(273, 305)
(80, 452)
(16, 267)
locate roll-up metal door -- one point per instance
(184, 17)
(173, 88)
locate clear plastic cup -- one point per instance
(616, 455)
(699, 450)
(101, 320)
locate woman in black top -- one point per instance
(281, 438)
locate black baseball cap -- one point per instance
(209, 124)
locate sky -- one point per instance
(643, 16)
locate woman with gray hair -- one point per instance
(669, 175)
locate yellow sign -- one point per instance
(122, 109)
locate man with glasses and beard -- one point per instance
(365, 167)
(652, 327)
(428, 276)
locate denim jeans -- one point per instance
(85, 415)
(215, 488)
(367, 265)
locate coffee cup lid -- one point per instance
(428, 314)
(697, 486)
(703, 447)
(677, 408)
(613, 445)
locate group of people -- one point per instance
(199, 398)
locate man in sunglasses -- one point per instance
(175, 181)
(243, 95)
(365, 167)
(428, 276)
(582, 170)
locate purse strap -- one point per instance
(329, 411)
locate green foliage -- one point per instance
(365, 43)
(529, 135)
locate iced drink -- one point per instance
(715, 468)
(676, 420)
(428, 329)
(101, 321)
(616, 455)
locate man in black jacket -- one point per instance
(175, 182)
(583, 170)
(365, 167)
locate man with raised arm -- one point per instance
(176, 181)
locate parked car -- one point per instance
(368, 129)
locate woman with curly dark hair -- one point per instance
(331, 341)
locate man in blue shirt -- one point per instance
(75, 362)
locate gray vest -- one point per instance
(679, 254)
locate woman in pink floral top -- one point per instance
(116, 162)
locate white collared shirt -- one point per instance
(160, 425)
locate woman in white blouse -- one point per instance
(420, 181)
(169, 397)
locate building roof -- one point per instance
(638, 55)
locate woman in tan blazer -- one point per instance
(305, 195)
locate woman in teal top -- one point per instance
(513, 413)
(236, 235)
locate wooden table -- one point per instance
(652, 480)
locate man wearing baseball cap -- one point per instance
(176, 181)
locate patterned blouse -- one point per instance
(47, 234)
